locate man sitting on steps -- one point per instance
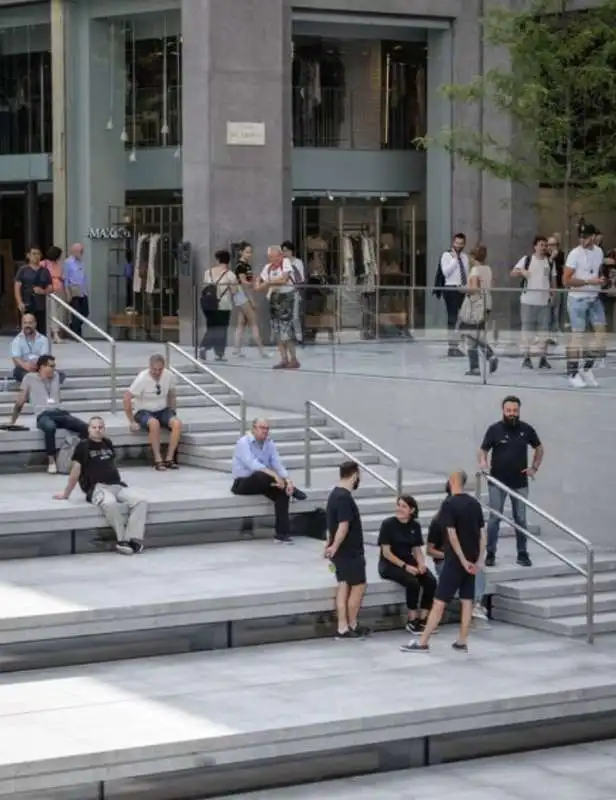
(27, 347)
(257, 469)
(94, 468)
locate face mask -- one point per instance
(513, 422)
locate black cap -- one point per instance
(588, 230)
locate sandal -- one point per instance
(159, 466)
(170, 465)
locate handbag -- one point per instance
(472, 311)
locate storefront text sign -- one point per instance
(249, 134)
(109, 233)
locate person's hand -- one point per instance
(22, 308)
(468, 567)
(289, 488)
(531, 472)
(422, 569)
(279, 482)
(595, 282)
(330, 551)
(133, 427)
(60, 496)
(411, 569)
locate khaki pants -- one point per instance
(124, 510)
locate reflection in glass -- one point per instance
(404, 89)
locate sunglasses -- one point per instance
(158, 390)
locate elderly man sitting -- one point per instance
(257, 469)
(27, 347)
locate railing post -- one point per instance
(590, 596)
(168, 353)
(243, 420)
(48, 316)
(478, 479)
(399, 480)
(114, 380)
(307, 446)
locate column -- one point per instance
(236, 69)
(96, 159)
(58, 14)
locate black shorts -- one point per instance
(454, 579)
(351, 569)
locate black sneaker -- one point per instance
(460, 648)
(283, 539)
(414, 647)
(299, 495)
(490, 560)
(124, 548)
(527, 363)
(493, 365)
(455, 352)
(415, 627)
(137, 545)
(361, 631)
(523, 560)
(346, 636)
(544, 363)
(472, 373)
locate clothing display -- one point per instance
(318, 93)
(359, 261)
(144, 278)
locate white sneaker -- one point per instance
(589, 378)
(479, 612)
(52, 469)
(577, 381)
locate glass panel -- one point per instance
(405, 98)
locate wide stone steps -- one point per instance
(86, 406)
(540, 588)
(292, 434)
(286, 450)
(198, 457)
(572, 626)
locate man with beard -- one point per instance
(345, 549)
(508, 442)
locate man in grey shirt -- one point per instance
(42, 390)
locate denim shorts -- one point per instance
(165, 417)
(585, 311)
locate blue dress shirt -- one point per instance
(251, 456)
(75, 275)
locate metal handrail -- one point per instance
(241, 417)
(588, 573)
(111, 361)
(309, 430)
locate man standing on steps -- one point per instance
(462, 517)
(94, 468)
(257, 469)
(508, 442)
(345, 549)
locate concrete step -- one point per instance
(124, 380)
(574, 626)
(285, 449)
(555, 607)
(99, 406)
(567, 586)
(196, 457)
(70, 393)
(294, 434)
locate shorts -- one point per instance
(535, 319)
(239, 298)
(351, 569)
(165, 417)
(585, 312)
(454, 579)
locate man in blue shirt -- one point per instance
(257, 469)
(26, 348)
(76, 283)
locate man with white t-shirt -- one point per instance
(537, 284)
(151, 403)
(454, 267)
(582, 277)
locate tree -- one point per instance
(557, 86)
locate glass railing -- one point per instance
(149, 125)
(402, 332)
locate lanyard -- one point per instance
(48, 386)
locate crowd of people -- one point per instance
(559, 294)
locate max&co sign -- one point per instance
(107, 234)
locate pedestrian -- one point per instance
(462, 518)
(506, 443)
(537, 283)
(345, 549)
(299, 279)
(76, 286)
(55, 265)
(475, 312)
(558, 306)
(277, 280)
(245, 304)
(219, 288)
(451, 279)
(32, 285)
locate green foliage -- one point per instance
(555, 87)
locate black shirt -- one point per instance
(242, 268)
(98, 465)
(437, 534)
(463, 513)
(509, 447)
(402, 537)
(29, 277)
(341, 507)
(558, 263)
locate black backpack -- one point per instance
(524, 282)
(439, 281)
(209, 295)
(312, 524)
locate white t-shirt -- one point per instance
(271, 273)
(150, 394)
(586, 263)
(224, 282)
(538, 280)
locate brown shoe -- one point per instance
(282, 365)
(294, 364)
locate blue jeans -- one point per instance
(496, 500)
(480, 581)
(58, 419)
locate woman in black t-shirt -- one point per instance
(402, 561)
(246, 310)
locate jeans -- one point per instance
(414, 585)
(215, 337)
(480, 581)
(58, 419)
(496, 499)
(261, 483)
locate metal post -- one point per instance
(590, 596)
(114, 380)
(243, 412)
(399, 481)
(478, 478)
(307, 444)
(49, 306)
(168, 355)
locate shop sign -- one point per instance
(248, 134)
(107, 234)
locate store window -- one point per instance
(404, 94)
(154, 90)
(25, 90)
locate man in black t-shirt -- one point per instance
(94, 468)
(345, 549)
(462, 517)
(508, 442)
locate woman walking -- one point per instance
(55, 265)
(402, 561)
(475, 311)
(277, 280)
(219, 288)
(246, 312)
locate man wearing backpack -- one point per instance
(219, 287)
(450, 282)
(538, 282)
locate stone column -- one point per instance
(237, 69)
(95, 153)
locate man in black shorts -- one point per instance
(345, 549)
(461, 516)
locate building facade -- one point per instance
(161, 130)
